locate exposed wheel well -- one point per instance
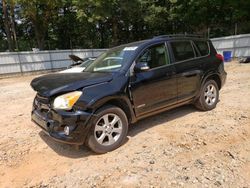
(216, 78)
(121, 104)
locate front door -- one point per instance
(155, 88)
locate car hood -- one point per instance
(73, 70)
(53, 84)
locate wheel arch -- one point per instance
(120, 102)
(214, 77)
(211, 76)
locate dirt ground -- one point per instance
(183, 147)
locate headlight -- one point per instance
(66, 101)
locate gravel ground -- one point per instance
(179, 148)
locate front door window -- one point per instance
(155, 56)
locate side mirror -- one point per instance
(141, 67)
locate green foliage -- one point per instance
(64, 24)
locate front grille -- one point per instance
(42, 105)
(42, 99)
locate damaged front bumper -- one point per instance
(53, 122)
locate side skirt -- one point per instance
(164, 109)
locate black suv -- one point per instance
(125, 84)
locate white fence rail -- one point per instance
(22, 62)
(239, 45)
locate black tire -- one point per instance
(92, 140)
(202, 102)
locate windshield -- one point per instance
(112, 60)
(86, 63)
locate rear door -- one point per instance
(188, 68)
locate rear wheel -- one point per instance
(109, 130)
(209, 96)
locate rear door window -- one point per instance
(202, 47)
(182, 50)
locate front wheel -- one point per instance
(209, 96)
(109, 129)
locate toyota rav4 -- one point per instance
(125, 84)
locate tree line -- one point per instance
(67, 24)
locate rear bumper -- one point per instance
(53, 123)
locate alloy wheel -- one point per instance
(108, 129)
(210, 94)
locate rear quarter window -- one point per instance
(202, 47)
(182, 50)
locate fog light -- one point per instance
(66, 130)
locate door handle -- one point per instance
(170, 73)
(191, 73)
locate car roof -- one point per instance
(163, 38)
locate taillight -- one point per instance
(220, 57)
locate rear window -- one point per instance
(202, 47)
(182, 50)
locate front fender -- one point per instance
(98, 95)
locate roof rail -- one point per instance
(179, 35)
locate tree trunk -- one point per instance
(7, 26)
(40, 27)
(101, 30)
(40, 37)
(40, 30)
(13, 27)
(114, 32)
